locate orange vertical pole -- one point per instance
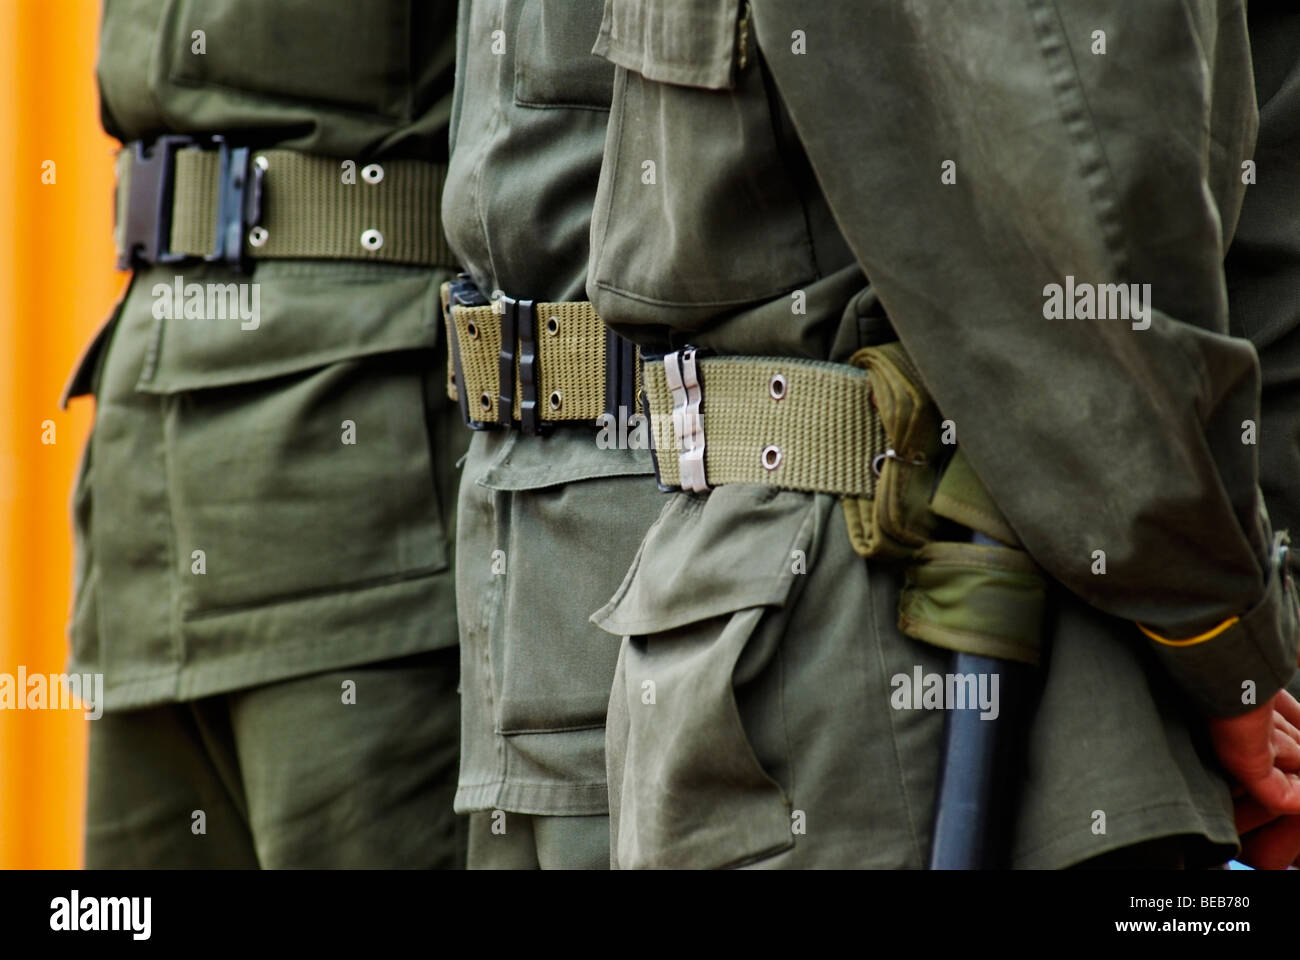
(56, 283)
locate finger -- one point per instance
(1286, 751)
(1280, 722)
(1288, 706)
(1278, 791)
(1272, 847)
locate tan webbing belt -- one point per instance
(390, 214)
(571, 361)
(797, 424)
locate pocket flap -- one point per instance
(567, 456)
(696, 44)
(85, 375)
(739, 547)
(212, 329)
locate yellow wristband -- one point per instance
(1200, 638)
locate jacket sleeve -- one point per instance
(991, 163)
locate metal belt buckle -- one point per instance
(147, 236)
(463, 293)
(148, 212)
(620, 376)
(688, 425)
(519, 324)
(509, 313)
(526, 329)
(239, 204)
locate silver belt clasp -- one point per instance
(688, 424)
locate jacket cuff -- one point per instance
(1243, 662)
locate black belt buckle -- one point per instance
(239, 204)
(147, 237)
(518, 341)
(509, 312)
(149, 202)
(526, 328)
(464, 293)
(620, 375)
(519, 325)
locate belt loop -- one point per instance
(526, 324)
(506, 368)
(688, 394)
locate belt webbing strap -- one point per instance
(571, 362)
(797, 424)
(307, 209)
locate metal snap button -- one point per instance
(771, 457)
(777, 389)
(372, 239)
(258, 236)
(372, 173)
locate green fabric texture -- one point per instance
(228, 530)
(897, 519)
(309, 211)
(1105, 229)
(749, 691)
(535, 512)
(780, 223)
(794, 424)
(286, 776)
(962, 498)
(212, 438)
(975, 599)
(570, 343)
(328, 77)
(518, 841)
(1125, 414)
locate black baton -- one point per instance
(975, 802)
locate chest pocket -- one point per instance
(554, 65)
(696, 206)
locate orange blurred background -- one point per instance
(57, 284)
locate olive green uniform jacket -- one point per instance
(546, 524)
(315, 553)
(924, 172)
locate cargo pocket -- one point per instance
(566, 520)
(300, 446)
(697, 735)
(83, 629)
(690, 95)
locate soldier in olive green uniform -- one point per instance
(548, 518)
(830, 177)
(265, 509)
